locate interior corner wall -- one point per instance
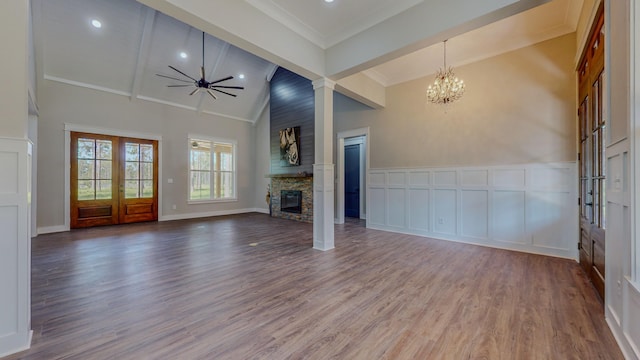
(498, 168)
(61, 103)
(263, 160)
(292, 104)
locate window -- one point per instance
(212, 174)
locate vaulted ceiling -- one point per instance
(137, 42)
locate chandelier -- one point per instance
(447, 87)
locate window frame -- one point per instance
(212, 170)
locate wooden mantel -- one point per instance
(298, 175)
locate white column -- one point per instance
(323, 168)
(15, 266)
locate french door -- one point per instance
(592, 127)
(114, 180)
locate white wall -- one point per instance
(527, 208)
(622, 69)
(15, 244)
(61, 103)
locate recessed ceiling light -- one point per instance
(328, 1)
(183, 55)
(96, 23)
(241, 76)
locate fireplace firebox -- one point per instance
(291, 201)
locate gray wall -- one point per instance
(61, 103)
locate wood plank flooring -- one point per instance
(251, 287)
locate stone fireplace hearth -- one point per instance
(292, 182)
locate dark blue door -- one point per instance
(352, 181)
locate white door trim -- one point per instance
(340, 169)
(68, 128)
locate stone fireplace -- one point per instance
(292, 197)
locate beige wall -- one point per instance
(589, 8)
(60, 103)
(519, 108)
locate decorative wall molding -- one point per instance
(15, 259)
(530, 208)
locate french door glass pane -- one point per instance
(146, 152)
(86, 190)
(86, 169)
(103, 189)
(147, 188)
(104, 169)
(104, 149)
(132, 170)
(132, 152)
(86, 149)
(94, 169)
(138, 171)
(147, 171)
(131, 189)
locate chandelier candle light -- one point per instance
(447, 87)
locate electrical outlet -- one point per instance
(173, 207)
(440, 221)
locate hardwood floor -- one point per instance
(251, 287)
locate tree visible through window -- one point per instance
(211, 169)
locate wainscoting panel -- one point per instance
(445, 178)
(419, 210)
(474, 177)
(445, 205)
(509, 216)
(531, 208)
(475, 213)
(377, 214)
(397, 204)
(419, 178)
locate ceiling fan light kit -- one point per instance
(201, 84)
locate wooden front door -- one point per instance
(114, 180)
(592, 126)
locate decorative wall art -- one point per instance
(290, 146)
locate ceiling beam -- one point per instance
(143, 53)
(244, 26)
(418, 27)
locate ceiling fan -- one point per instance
(202, 84)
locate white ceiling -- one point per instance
(137, 42)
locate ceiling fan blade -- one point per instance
(179, 85)
(183, 73)
(220, 80)
(195, 91)
(212, 94)
(227, 87)
(202, 72)
(174, 78)
(224, 92)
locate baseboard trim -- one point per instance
(538, 250)
(51, 229)
(26, 347)
(209, 214)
